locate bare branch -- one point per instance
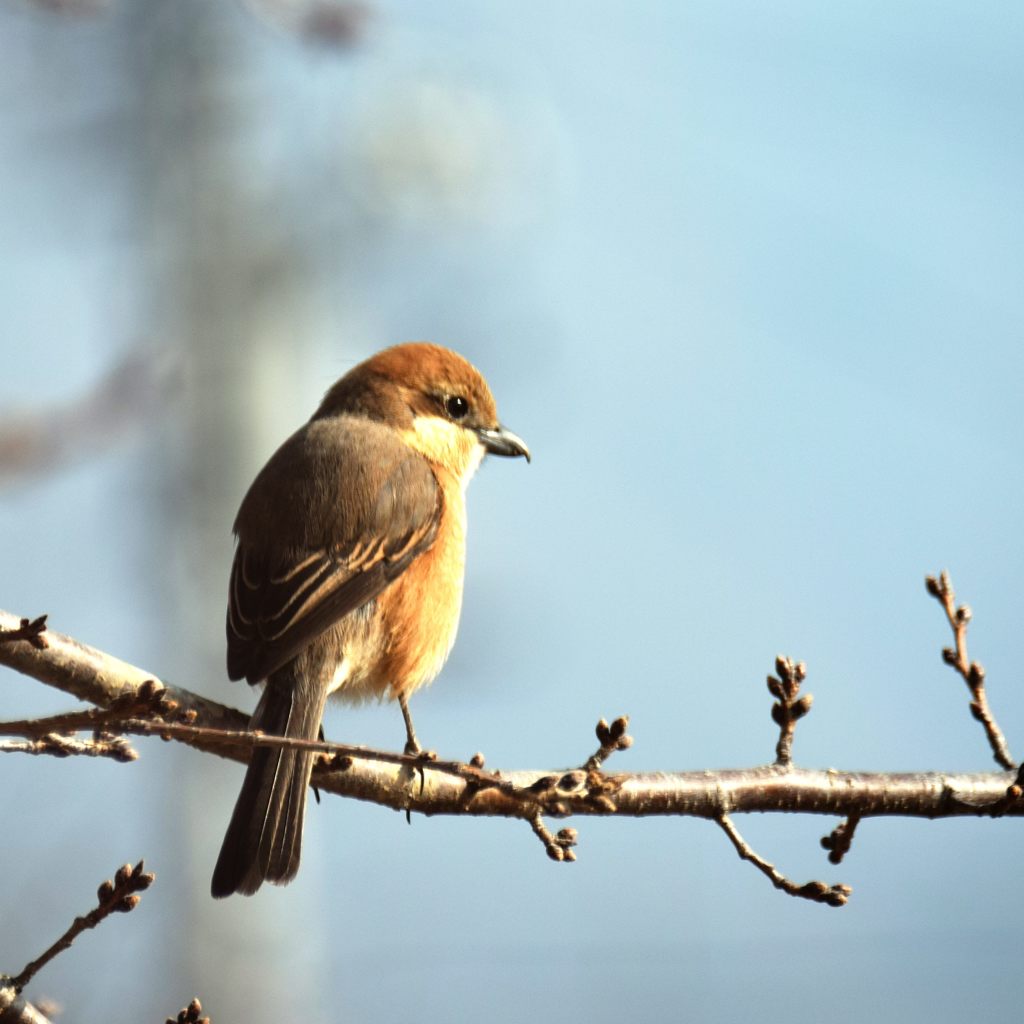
(116, 748)
(973, 674)
(558, 847)
(340, 24)
(99, 678)
(124, 692)
(818, 892)
(452, 787)
(135, 388)
(117, 897)
(15, 1009)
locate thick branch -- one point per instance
(15, 1009)
(100, 678)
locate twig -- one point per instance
(558, 847)
(115, 747)
(190, 1015)
(118, 896)
(556, 794)
(29, 631)
(818, 892)
(971, 671)
(789, 707)
(838, 841)
(150, 698)
(612, 738)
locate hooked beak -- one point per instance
(503, 442)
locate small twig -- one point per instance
(789, 707)
(817, 892)
(838, 841)
(120, 717)
(115, 747)
(552, 793)
(190, 1015)
(612, 738)
(118, 896)
(30, 630)
(150, 698)
(971, 671)
(558, 847)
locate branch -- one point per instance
(464, 788)
(32, 631)
(839, 840)
(971, 671)
(818, 892)
(15, 1009)
(115, 747)
(131, 700)
(132, 392)
(120, 896)
(789, 706)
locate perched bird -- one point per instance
(348, 572)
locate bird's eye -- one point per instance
(456, 406)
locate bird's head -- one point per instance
(439, 402)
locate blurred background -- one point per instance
(747, 278)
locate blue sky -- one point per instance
(745, 276)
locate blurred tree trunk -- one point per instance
(219, 274)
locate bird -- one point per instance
(347, 576)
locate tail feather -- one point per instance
(264, 838)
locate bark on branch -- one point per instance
(100, 679)
(136, 702)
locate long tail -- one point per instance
(264, 838)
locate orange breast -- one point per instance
(419, 612)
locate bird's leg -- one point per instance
(412, 745)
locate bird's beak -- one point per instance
(503, 442)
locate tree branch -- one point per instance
(818, 892)
(120, 896)
(130, 700)
(941, 588)
(453, 787)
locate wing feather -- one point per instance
(306, 560)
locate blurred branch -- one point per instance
(115, 747)
(817, 892)
(73, 7)
(15, 1009)
(130, 700)
(40, 441)
(337, 23)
